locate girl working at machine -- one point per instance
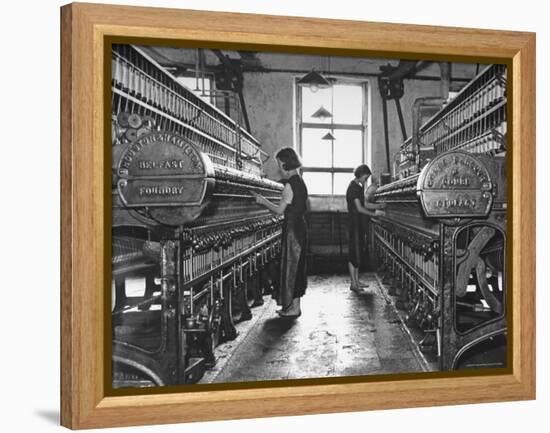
(293, 278)
(355, 198)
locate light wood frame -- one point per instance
(84, 224)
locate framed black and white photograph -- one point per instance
(366, 197)
(313, 220)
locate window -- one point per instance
(200, 87)
(331, 134)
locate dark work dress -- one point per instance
(293, 276)
(356, 229)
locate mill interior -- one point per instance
(196, 260)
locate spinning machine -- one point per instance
(441, 241)
(192, 251)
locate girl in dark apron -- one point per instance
(355, 198)
(293, 278)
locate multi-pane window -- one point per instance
(200, 87)
(331, 134)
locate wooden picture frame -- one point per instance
(84, 224)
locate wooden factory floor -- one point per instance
(340, 333)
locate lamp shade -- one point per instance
(314, 80)
(322, 113)
(328, 136)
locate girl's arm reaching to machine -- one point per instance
(368, 208)
(279, 209)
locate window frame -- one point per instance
(299, 126)
(207, 76)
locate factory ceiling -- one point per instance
(250, 61)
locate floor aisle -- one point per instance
(340, 333)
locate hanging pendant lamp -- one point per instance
(328, 136)
(314, 80)
(322, 113)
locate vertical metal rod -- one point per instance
(401, 119)
(386, 134)
(202, 63)
(180, 306)
(243, 110)
(197, 70)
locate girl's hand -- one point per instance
(259, 198)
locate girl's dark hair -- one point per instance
(289, 158)
(362, 170)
